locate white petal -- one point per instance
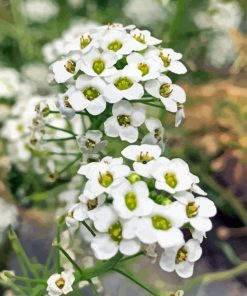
(122, 108)
(128, 133)
(77, 101)
(153, 87)
(167, 259)
(103, 217)
(104, 248)
(201, 224)
(134, 93)
(152, 124)
(206, 207)
(177, 67)
(145, 231)
(96, 106)
(111, 127)
(112, 94)
(178, 94)
(170, 238)
(185, 269)
(129, 247)
(138, 116)
(169, 104)
(194, 250)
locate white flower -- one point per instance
(124, 84)
(171, 175)
(198, 210)
(95, 63)
(79, 211)
(169, 94)
(169, 59)
(39, 11)
(144, 38)
(59, 284)
(119, 42)
(161, 226)
(82, 43)
(156, 133)
(181, 258)
(89, 95)
(110, 238)
(143, 157)
(91, 142)
(66, 68)
(10, 83)
(132, 200)
(125, 121)
(103, 175)
(148, 66)
(64, 106)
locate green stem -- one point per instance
(132, 257)
(70, 259)
(26, 279)
(134, 280)
(59, 139)
(64, 153)
(216, 276)
(13, 287)
(61, 129)
(70, 164)
(93, 288)
(101, 267)
(89, 228)
(153, 105)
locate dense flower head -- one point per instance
(139, 199)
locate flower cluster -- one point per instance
(140, 200)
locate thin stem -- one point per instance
(93, 288)
(70, 164)
(89, 228)
(64, 153)
(70, 259)
(132, 257)
(134, 280)
(13, 287)
(25, 279)
(60, 129)
(216, 276)
(59, 139)
(153, 105)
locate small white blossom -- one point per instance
(103, 175)
(198, 210)
(143, 156)
(95, 63)
(124, 84)
(125, 121)
(144, 38)
(181, 258)
(169, 60)
(148, 66)
(156, 133)
(132, 200)
(88, 94)
(171, 175)
(161, 226)
(169, 94)
(110, 238)
(60, 284)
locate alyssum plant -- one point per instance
(137, 202)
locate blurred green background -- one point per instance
(212, 35)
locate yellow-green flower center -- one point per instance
(92, 204)
(171, 180)
(131, 201)
(106, 179)
(60, 283)
(91, 93)
(191, 209)
(165, 90)
(90, 144)
(144, 158)
(182, 255)
(165, 59)
(123, 83)
(84, 41)
(70, 66)
(140, 38)
(161, 223)
(115, 45)
(133, 177)
(143, 68)
(98, 66)
(124, 120)
(115, 232)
